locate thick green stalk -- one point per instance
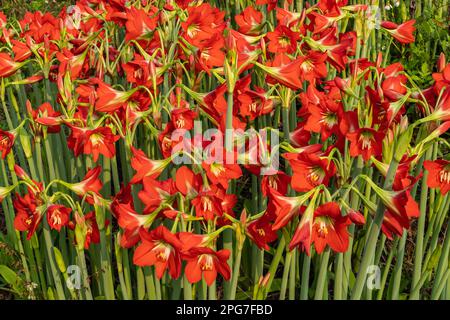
(321, 280)
(386, 270)
(375, 227)
(284, 279)
(292, 276)
(228, 234)
(304, 289)
(51, 257)
(418, 254)
(443, 262)
(106, 267)
(275, 262)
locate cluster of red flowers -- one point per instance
(186, 41)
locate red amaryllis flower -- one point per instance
(74, 65)
(438, 174)
(261, 232)
(300, 136)
(45, 115)
(100, 141)
(109, 99)
(249, 21)
(400, 206)
(442, 78)
(29, 213)
(207, 262)
(313, 66)
(8, 66)
(183, 118)
(58, 216)
(187, 182)
(155, 193)
(356, 217)
(207, 205)
(282, 39)
(220, 172)
(284, 208)
(141, 24)
(324, 117)
(279, 182)
(394, 86)
(328, 227)
(403, 32)
(366, 142)
(285, 71)
(203, 23)
(131, 222)
(90, 223)
(211, 54)
(7, 139)
(90, 183)
(271, 4)
(146, 167)
(310, 170)
(29, 208)
(159, 248)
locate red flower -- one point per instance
(282, 39)
(403, 33)
(400, 206)
(29, 213)
(45, 115)
(310, 170)
(160, 248)
(249, 21)
(365, 142)
(324, 117)
(221, 172)
(109, 99)
(58, 216)
(438, 174)
(131, 222)
(271, 4)
(141, 24)
(7, 65)
(328, 227)
(261, 232)
(100, 141)
(155, 193)
(285, 71)
(92, 231)
(442, 78)
(90, 183)
(203, 22)
(211, 53)
(7, 139)
(187, 182)
(146, 167)
(394, 86)
(284, 208)
(206, 262)
(279, 182)
(313, 66)
(183, 118)
(207, 205)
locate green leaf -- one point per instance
(59, 260)
(11, 278)
(434, 260)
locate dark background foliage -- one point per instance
(18, 8)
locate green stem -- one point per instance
(375, 228)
